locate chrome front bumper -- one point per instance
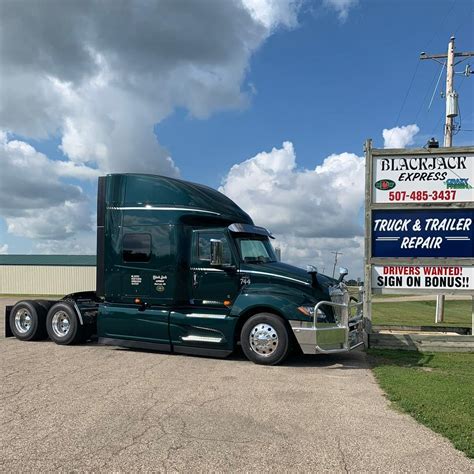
(326, 338)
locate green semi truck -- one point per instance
(182, 268)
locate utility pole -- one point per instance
(336, 254)
(451, 112)
(451, 95)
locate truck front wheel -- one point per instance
(63, 325)
(264, 339)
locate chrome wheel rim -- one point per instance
(61, 324)
(23, 321)
(263, 339)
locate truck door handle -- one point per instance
(195, 280)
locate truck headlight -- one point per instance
(308, 310)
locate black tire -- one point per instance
(63, 325)
(270, 342)
(45, 304)
(27, 321)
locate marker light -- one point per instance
(306, 310)
(138, 301)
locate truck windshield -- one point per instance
(255, 250)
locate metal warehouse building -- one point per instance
(46, 274)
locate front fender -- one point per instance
(284, 304)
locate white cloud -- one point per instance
(342, 7)
(111, 72)
(311, 212)
(104, 78)
(318, 251)
(34, 200)
(69, 169)
(79, 243)
(30, 180)
(272, 13)
(56, 222)
(3, 249)
(400, 137)
(101, 82)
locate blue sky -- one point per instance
(327, 86)
(283, 84)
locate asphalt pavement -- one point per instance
(94, 408)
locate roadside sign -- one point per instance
(435, 177)
(417, 233)
(419, 223)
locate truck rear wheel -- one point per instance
(264, 339)
(63, 324)
(27, 321)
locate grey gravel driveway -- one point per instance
(92, 408)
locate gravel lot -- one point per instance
(99, 408)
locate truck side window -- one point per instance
(204, 246)
(136, 247)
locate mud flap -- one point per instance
(8, 331)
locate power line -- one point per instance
(436, 34)
(404, 100)
(407, 93)
(461, 82)
(436, 87)
(462, 22)
(438, 29)
(424, 98)
(438, 123)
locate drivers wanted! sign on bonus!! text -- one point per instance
(397, 277)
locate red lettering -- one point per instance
(451, 271)
(411, 270)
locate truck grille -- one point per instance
(339, 295)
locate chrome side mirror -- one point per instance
(311, 269)
(278, 253)
(217, 252)
(342, 273)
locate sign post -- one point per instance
(419, 221)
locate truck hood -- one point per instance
(288, 275)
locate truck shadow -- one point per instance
(352, 360)
(400, 358)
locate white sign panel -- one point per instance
(435, 177)
(412, 277)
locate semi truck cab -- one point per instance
(180, 267)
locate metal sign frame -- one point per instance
(371, 154)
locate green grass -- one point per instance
(436, 389)
(421, 313)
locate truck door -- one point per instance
(205, 324)
(211, 286)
